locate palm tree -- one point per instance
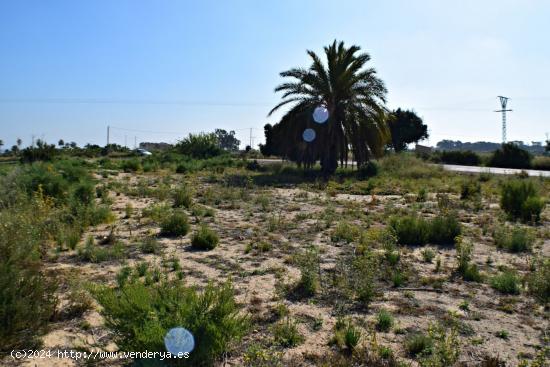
(354, 97)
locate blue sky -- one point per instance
(70, 68)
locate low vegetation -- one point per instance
(311, 259)
(211, 315)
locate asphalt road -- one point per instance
(465, 169)
(495, 170)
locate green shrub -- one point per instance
(506, 282)
(157, 213)
(470, 189)
(308, 262)
(516, 239)
(286, 333)
(384, 320)
(466, 157)
(140, 315)
(411, 230)
(142, 268)
(96, 254)
(344, 231)
(367, 170)
(85, 193)
(416, 231)
(418, 344)
(200, 146)
(150, 245)
(346, 335)
(41, 176)
(130, 165)
(205, 239)
(541, 163)
(175, 224)
(464, 251)
(519, 200)
(445, 348)
(182, 198)
(128, 210)
(362, 277)
(531, 209)
(444, 229)
(27, 300)
(258, 356)
(538, 281)
(510, 155)
(428, 255)
(422, 195)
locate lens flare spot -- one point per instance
(179, 340)
(320, 114)
(309, 135)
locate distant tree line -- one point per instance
(485, 146)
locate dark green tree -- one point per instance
(354, 97)
(406, 127)
(509, 155)
(227, 140)
(199, 146)
(268, 149)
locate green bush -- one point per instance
(130, 165)
(444, 229)
(140, 316)
(175, 224)
(200, 146)
(308, 262)
(286, 333)
(344, 231)
(418, 344)
(26, 294)
(85, 193)
(346, 335)
(364, 270)
(96, 254)
(516, 239)
(465, 158)
(428, 255)
(470, 189)
(384, 320)
(538, 281)
(510, 155)
(411, 230)
(182, 198)
(370, 169)
(531, 209)
(464, 251)
(519, 200)
(205, 239)
(150, 245)
(506, 282)
(445, 349)
(42, 176)
(416, 231)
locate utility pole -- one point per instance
(503, 110)
(135, 142)
(108, 132)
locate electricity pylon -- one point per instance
(503, 103)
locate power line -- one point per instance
(133, 101)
